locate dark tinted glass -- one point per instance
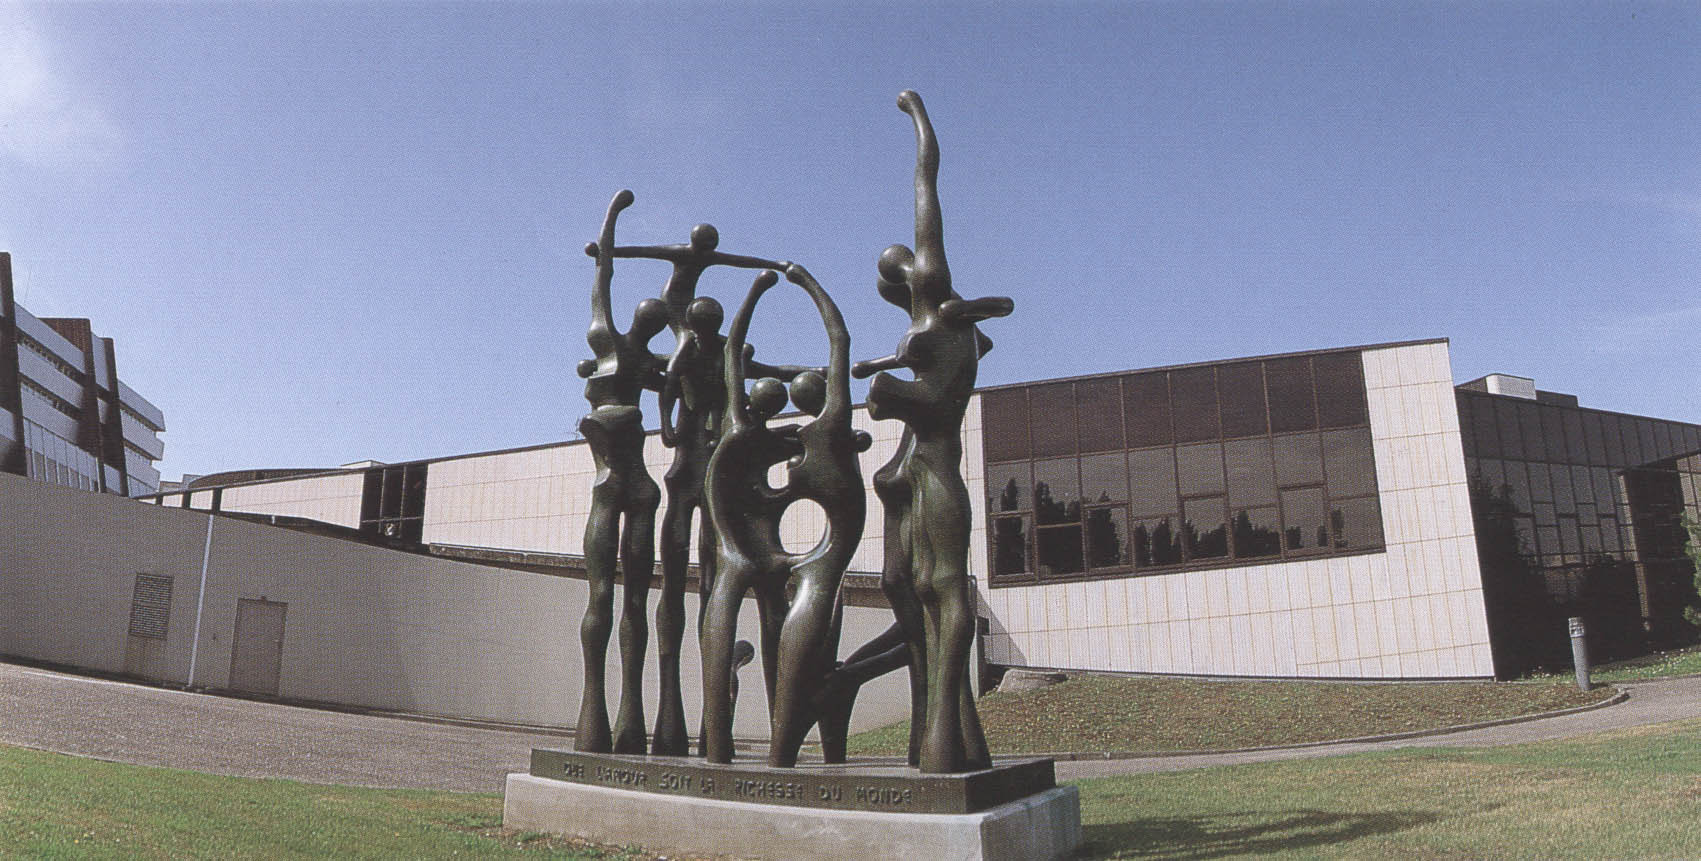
(1204, 528)
(1151, 480)
(1356, 524)
(1199, 469)
(1340, 390)
(1563, 497)
(1486, 428)
(1583, 485)
(1240, 388)
(1107, 537)
(1605, 497)
(1146, 402)
(1645, 433)
(1004, 424)
(1691, 438)
(1256, 533)
(1293, 405)
(1545, 516)
(1541, 482)
(1251, 478)
(1305, 520)
(1009, 545)
(1058, 550)
(1632, 441)
(1157, 541)
(1518, 482)
(1467, 429)
(1609, 536)
(1098, 409)
(1193, 392)
(1506, 423)
(1576, 448)
(1616, 455)
(1299, 459)
(1553, 433)
(1349, 462)
(1057, 491)
(1008, 487)
(1104, 478)
(1593, 438)
(1053, 419)
(1530, 427)
(1663, 445)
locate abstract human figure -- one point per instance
(827, 473)
(797, 639)
(926, 567)
(623, 491)
(693, 373)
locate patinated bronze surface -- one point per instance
(623, 502)
(797, 635)
(692, 386)
(717, 422)
(927, 504)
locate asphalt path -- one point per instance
(133, 723)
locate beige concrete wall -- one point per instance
(364, 626)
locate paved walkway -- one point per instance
(133, 723)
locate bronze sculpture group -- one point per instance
(725, 448)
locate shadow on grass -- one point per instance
(1249, 833)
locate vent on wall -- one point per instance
(150, 606)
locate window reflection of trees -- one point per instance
(1243, 460)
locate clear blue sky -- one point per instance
(325, 232)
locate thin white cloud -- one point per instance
(44, 120)
(1661, 328)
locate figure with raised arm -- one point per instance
(620, 530)
(926, 576)
(693, 386)
(827, 473)
(745, 512)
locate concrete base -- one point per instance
(1045, 825)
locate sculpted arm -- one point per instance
(931, 276)
(602, 332)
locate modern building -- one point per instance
(65, 415)
(1341, 513)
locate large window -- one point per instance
(1202, 466)
(1557, 471)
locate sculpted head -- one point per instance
(648, 318)
(767, 398)
(704, 316)
(704, 237)
(809, 392)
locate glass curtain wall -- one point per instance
(1203, 466)
(1574, 511)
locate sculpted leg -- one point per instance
(637, 563)
(720, 627)
(802, 638)
(601, 529)
(670, 735)
(897, 581)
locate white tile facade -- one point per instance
(1412, 611)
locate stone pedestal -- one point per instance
(1012, 811)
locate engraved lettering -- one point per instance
(573, 769)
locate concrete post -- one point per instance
(1580, 653)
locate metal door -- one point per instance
(256, 650)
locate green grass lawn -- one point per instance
(1679, 662)
(1116, 713)
(55, 806)
(1626, 794)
